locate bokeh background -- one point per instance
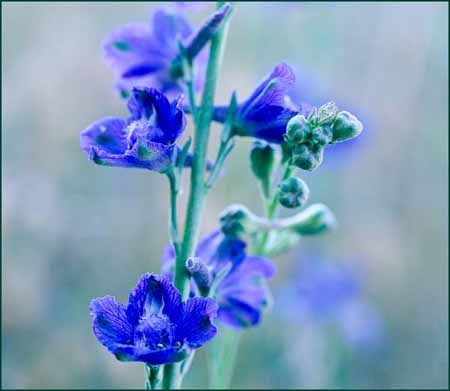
(73, 231)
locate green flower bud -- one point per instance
(297, 130)
(237, 220)
(346, 126)
(322, 135)
(293, 192)
(316, 219)
(262, 159)
(327, 113)
(307, 157)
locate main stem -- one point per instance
(197, 189)
(201, 137)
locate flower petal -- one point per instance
(272, 90)
(197, 326)
(151, 357)
(166, 119)
(110, 323)
(108, 135)
(168, 27)
(238, 314)
(153, 294)
(131, 45)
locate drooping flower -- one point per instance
(242, 293)
(146, 140)
(149, 56)
(142, 54)
(266, 112)
(155, 327)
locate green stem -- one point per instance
(191, 95)
(222, 353)
(172, 375)
(201, 136)
(153, 377)
(271, 209)
(224, 150)
(173, 221)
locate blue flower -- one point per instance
(266, 112)
(141, 55)
(242, 294)
(156, 327)
(146, 140)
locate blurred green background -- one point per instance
(73, 231)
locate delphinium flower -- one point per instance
(151, 56)
(146, 140)
(239, 280)
(155, 327)
(266, 112)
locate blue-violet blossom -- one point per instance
(142, 55)
(266, 112)
(156, 327)
(146, 140)
(242, 294)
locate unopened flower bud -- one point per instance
(262, 159)
(236, 220)
(327, 113)
(322, 135)
(200, 273)
(293, 192)
(307, 156)
(346, 126)
(316, 219)
(297, 130)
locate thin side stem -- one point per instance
(271, 209)
(173, 220)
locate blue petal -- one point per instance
(238, 314)
(168, 28)
(243, 294)
(110, 323)
(207, 247)
(167, 120)
(272, 90)
(152, 295)
(151, 357)
(108, 135)
(130, 46)
(143, 69)
(197, 326)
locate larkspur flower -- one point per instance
(155, 327)
(242, 294)
(266, 112)
(146, 140)
(142, 55)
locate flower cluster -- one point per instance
(224, 278)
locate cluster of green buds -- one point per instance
(306, 138)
